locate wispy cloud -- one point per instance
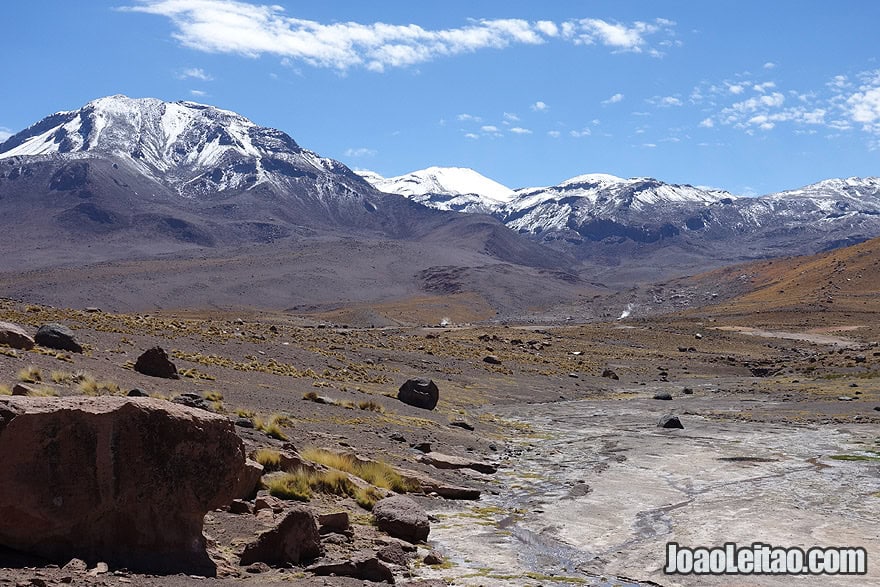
(195, 73)
(251, 30)
(539, 106)
(579, 134)
(553, 134)
(5, 133)
(468, 118)
(198, 93)
(520, 130)
(360, 152)
(618, 97)
(489, 128)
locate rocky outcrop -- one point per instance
(295, 539)
(249, 480)
(13, 335)
(670, 421)
(57, 336)
(428, 484)
(125, 481)
(444, 461)
(421, 393)
(155, 363)
(403, 518)
(362, 565)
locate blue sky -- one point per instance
(748, 96)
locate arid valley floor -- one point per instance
(779, 401)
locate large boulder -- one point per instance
(401, 517)
(155, 363)
(57, 336)
(125, 481)
(295, 539)
(13, 335)
(421, 393)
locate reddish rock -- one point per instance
(14, 336)
(249, 482)
(293, 540)
(113, 479)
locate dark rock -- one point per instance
(433, 558)
(670, 421)
(861, 358)
(492, 360)
(155, 363)
(663, 395)
(243, 422)
(22, 389)
(687, 391)
(609, 374)
(249, 480)
(258, 568)
(362, 565)
(393, 553)
(57, 336)
(13, 335)
(422, 446)
(462, 424)
(421, 393)
(137, 392)
(337, 522)
(428, 484)
(114, 479)
(192, 400)
(240, 507)
(397, 437)
(401, 517)
(444, 461)
(293, 540)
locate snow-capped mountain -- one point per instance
(194, 148)
(445, 188)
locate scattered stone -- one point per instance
(57, 336)
(249, 480)
(421, 393)
(138, 392)
(698, 336)
(13, 335)
(574, 375)
(100, 569)
(844, 398)
(670, 421)
(861, 358)
(687, 391)
(393, 553)
(462, 424)
(877, 408)
(609, 374)
(433, 558)
(192, 400)
(397, 437)
(257, 568)
(155, 363)
(422, 446)
(243, 422)
(401, 517)
(93, 310)
(268, 502)
(853, 384)
(22, 389)
(337, 522)
(75, 565)
(444, 461)
(129, 482)
(240, 507)
(293, 540)
(492, 360)
(364, 565)
(663, 395)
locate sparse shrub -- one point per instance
(310, 396)
(30, 374)
(5, 390)
(372, 406)
(334, 482)
(62, 377)
(270, 459)
(88, 385)
(214, 396)
(367, 497)
(43, 391)
(272, 426)
(5, 350)
(244, 413)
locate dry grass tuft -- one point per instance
(270, 459)
(375, 472)
(272, 426)
(300, 484)
(372, 406)
(5, 390)
(30, 374)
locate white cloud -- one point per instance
(614, 99)
(195, 73)
(620, 37)
(251, 30)
(5, 133)
(553, 134)
(707, 123)
(468, 118)
(539, 106)
(520, 131)
(510, 117)
(489, 128)
(665, 101)
(471, 135)
(649, 145)
(769, 65)
(198, 93)
(736, 89)
(579, 134)
(360, 152)
(763, 87)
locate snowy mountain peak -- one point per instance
(593, 178)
